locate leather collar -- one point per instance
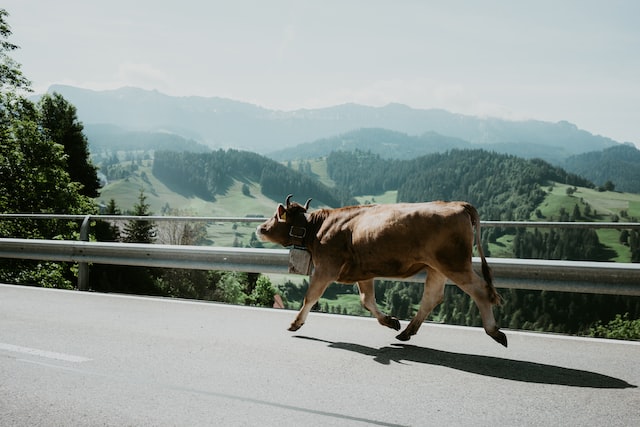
(298, 231)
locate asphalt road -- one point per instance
(72, 358)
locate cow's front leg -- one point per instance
(368, 300)
(318, 284)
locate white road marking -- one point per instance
(43, 353)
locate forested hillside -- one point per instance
(503, 187)
(619, 165)
(109, 139)
(614, 167)
(207, 175)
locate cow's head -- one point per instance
(288, 226)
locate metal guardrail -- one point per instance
(247, 219)
(567, 276)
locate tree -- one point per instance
(263, 293)
(230, 290)
(112, 208)
(60, 124)
(180, 232)
(11, 77)
(33, 177)
(140, 231)
(576, 214)
(105, 231)
(607, 186)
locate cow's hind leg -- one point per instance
(368, 300)
(432, 295)
(484, 296)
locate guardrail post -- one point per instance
(83, 267)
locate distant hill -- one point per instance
(386, 143)
(501, 186)
(224, 123)
(619, 164)
(209, 175)
(397, 145)
(110, 138)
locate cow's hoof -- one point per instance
(500, 337)
(295, 327)
(392, 323)
(403, 337)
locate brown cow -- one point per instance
(358, 243)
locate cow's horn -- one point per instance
(287, 201)
(306, 205)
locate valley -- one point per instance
(603, 206)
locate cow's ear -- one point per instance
(282, 213)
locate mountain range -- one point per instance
(224, 123)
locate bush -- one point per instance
(620, 328)
(263, 293)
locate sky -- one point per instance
(551, 60)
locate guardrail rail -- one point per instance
(550, 275)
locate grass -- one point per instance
(234, 203)
(603, 204)
(503, 248)
(611, 238)
(384, 198)
(344, 304)
(159, 197)
(318, 170)
(605, 207)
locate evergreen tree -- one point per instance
(140, 231)
(60, 123)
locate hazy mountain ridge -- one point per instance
(223, 123)
(619, 164)
(386, 143)
(111, 138)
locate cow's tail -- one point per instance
(494, 296)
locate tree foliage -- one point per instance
(33, 168)
(11, 77)
(501, 186)
(619, 164)
(621, 328)
(207, 175)
(139, 230)
(34, 176)
(565, 244)
(60, 123)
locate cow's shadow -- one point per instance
(490, 366)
